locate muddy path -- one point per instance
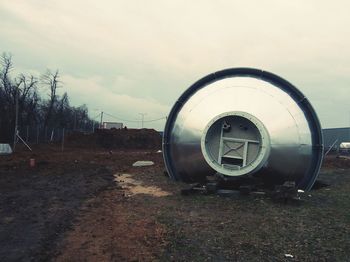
(39, 205)
(92, 205)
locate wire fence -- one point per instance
(39, 134)
(44, 134)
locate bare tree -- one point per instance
(32, 110)
(6, 63)
(7, 96)
(51, 80)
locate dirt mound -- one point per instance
(333, 161)
(117, 139)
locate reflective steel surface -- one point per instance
(295, 146)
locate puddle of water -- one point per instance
(136, 187)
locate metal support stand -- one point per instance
(17, 135)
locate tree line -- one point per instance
(38, 103)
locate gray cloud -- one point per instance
(127, 57)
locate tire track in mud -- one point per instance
(117, 225)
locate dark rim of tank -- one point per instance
(317, 140)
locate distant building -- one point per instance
(110, 125)
(330, 135)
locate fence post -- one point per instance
(52, 134)
(27, 137)
(62, 146)
(37, 134)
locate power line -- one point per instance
(135, 121)
(153, 120)
(96, 116)
(121, 119)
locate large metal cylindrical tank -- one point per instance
(243, 122)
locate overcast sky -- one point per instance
(128, 57)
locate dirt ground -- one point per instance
(92, 205)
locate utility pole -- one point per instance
(75, 120)
(101, 126)
(142, 117)
(16, 121)
(349, 127)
